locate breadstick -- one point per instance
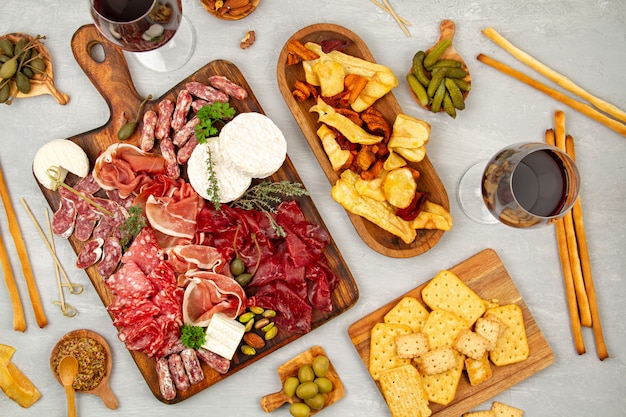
(576, 105)
(570, 235)
(581, 237)
(570, 293)
(20, 246)
(558, 78)
(19, 322)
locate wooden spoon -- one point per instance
(40, 83)
(68, 369)
(103, 389)
(272, 401)
(447, 30)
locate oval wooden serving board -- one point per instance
(112, 79)
(429, 181)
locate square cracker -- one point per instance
(404, 392)
(408, 311)
(446, 291)
(471, 344)
(441, 388)
(478, 371)
(411, 345)
(383, 353)
(442, 328)
(485, 413)
(512, 346)
(491, 329)
(437, 361)
(503, 410)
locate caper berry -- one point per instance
(8, 69)
(237, 266)
(5, 92)
(243, 279)
(127, 130)
(7, 47)
(38, 65)
(22, 82)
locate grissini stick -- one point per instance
(570, 235)
(20, 247)
(568, 280)
(553, 75)
(19, 322)
(581, 237)
(576, 105)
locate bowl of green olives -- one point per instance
(309, 384)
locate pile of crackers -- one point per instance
(419, 352)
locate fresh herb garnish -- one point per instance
(132, 226)
(192, 336)
(209, 115)
(265, 195)
(214, 189)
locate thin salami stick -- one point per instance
(570, 293)
(581, 238)
(20, 247)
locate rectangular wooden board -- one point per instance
(485, 274)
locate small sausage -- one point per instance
(184, 153)
(164, 122)
(182, 135)
(215, 361)
(146, 140)
(183, 103)
(192, 366)
(166, 384)
(198, 104)
(206, 92)
(172, 170)
(177, 370)
(224, 84)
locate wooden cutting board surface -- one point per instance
(112, 79)
(429, 181)
(485, 274)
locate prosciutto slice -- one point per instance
(208, 293)
(186, 257)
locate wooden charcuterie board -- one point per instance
(378, 239)
(486, 275)
(112, 79)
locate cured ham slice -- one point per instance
(175, 214)
(209, 293)
(185, 257)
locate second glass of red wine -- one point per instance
(523, 185)
(155, 31)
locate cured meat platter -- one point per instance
(485, 274)
(429, 181)
(112, 79)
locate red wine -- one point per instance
(122, 10)
(539, 183)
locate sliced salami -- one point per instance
(146, 139)
(130, 281)
(88, 185)
(164, 120)
(172, 169)
(112, 255)
(224, 84)
(84, 227)
(144, 251)
(90, 253)
(177, 370)
(206, 92)
(64, 219)
(192, 366)
(166, 384)
(114, 195)
(183, 103)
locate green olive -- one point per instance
(306, 373)
(5, 92)
(320, 365)
(299, 410)
(127, 130)
(290, 385)
(237, 266)
(7, 47)
(22, 82)
(243, 279)
(307, 390)
(324, 384)
(8, 69)
(316, 402)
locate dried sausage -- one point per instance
(192, 366)
(164, 120)
(172, 169)
(177, 370)
(146, 140)
(224, 84)
(206, 92)
(183, 103)
(166, 384)
(182, 135)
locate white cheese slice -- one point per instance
(223, 335)
(254, 144)
(231, 182)
(63, 154)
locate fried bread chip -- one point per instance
(13, 382)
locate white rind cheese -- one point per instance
(254, 144)
(223, 335)
(63, 154)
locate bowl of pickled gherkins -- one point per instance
(439, 79)
(26, 69)
(309, 384)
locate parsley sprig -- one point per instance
(265, 195)
(209, 115)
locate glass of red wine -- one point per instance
(153, 30)
(523, 185)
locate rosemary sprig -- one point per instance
(264, 197)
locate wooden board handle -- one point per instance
(271, 402)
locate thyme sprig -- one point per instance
(132, 226)
(213, 189)
(264, 197)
